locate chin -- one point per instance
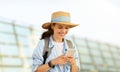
(62, 37)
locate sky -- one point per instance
(98, 20)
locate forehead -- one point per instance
(63, 25)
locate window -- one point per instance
(7, 38)
(9, 49)
(117, 63)
(13, 69)
(116, 56)
(114, 49)
(4, 27)
(112, 69)
(81, 42)
(22, 30)
(85, 59)
(92, 44)
(87, 67)
(37, 33)
(104, 47)
(109, 62)
(11, 61)
(95, 52)
(83, 50)
(28, 70)
(0, 61)
(0, 69)
(102, 68)
(28, 62)
(26, 52)
(23, 41)
(98, 60)
(107, 54)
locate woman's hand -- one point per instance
(71, 59)
(74, 68)
(60, 60)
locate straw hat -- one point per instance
(60, 17)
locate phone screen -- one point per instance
(70, 52)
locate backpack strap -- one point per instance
(46, 50)
(70, 45)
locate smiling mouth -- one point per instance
(62, 34)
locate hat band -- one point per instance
(61, 19)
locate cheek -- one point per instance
(56, 31)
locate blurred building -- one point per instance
(17, 43)
(98, 57)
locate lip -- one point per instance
(62, 34)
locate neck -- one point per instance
(57, 39)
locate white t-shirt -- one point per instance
(59, 50)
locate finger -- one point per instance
(62, 55)
(71, 56)
(62, 62)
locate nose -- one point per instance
(63, 30)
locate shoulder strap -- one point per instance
(70, 44)
(46, 45)
(46, 50)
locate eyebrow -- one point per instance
(63, 25)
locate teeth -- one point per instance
(61, 34)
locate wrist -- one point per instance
(50, 64)
(73, 62)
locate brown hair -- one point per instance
(48, 33)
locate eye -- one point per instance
(60, 27)
(67, 27)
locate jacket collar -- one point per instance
(51, 44)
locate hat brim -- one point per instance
(47, 25)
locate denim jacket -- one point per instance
(37, 56)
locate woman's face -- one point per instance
(60, 30)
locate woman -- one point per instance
(57, 61)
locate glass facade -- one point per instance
(17, 43)
(97, 56)
(16, 46)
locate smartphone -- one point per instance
(70, 52)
